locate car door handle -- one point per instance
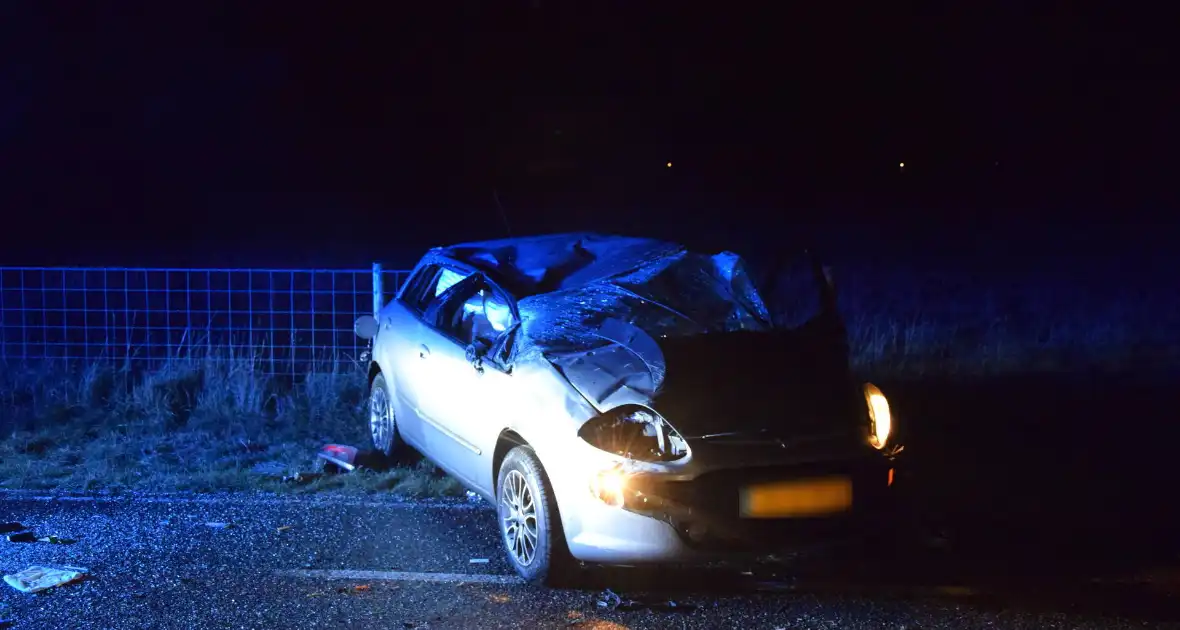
(423, 351)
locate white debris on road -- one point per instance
(36, 579)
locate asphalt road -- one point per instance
(155, 562)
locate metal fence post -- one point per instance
(377, 293)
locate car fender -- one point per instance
(559, 448)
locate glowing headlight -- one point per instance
(880, 420)
(609, 486)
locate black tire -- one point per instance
(385, 440)
(550, 562)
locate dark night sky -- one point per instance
(291, 134)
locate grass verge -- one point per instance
(196, 425)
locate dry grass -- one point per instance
(953, 324)
(926, 345)
(191, 424)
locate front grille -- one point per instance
(835, 446)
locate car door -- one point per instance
(465, 410)
(405, 354)
(497, 390)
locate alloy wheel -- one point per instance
(381, 420)
(518, 518)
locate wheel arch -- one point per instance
(374, 370)
(508, 440)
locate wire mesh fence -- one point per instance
(287, 320)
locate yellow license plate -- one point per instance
(811, 497)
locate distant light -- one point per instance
(901, 165)
(669, 165)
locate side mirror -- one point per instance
(366, 327)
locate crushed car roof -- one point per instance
(587, 298)
(541, 264)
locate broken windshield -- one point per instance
(678, 295)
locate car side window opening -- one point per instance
(430, 284)
(482, 317)
(476, 313)
(447, 278)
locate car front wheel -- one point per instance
(529, 523)
(382, 423)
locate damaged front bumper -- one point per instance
(707, 512)
(666, 519)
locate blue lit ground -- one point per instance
(155, 564)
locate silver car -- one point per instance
(627, 401)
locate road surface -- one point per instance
(157, 562)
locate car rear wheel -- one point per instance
(382, 423)
(529, 523)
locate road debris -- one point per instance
(478, 561)
(36, 579)
(608, 599)
(612, 601)
(282, 528)
(219, 525)
(25, 535)
(338, 457)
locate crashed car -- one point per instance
(627, 401)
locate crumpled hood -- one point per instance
(601, 333)
(690, 335)
(627, 366)
(788, 383)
